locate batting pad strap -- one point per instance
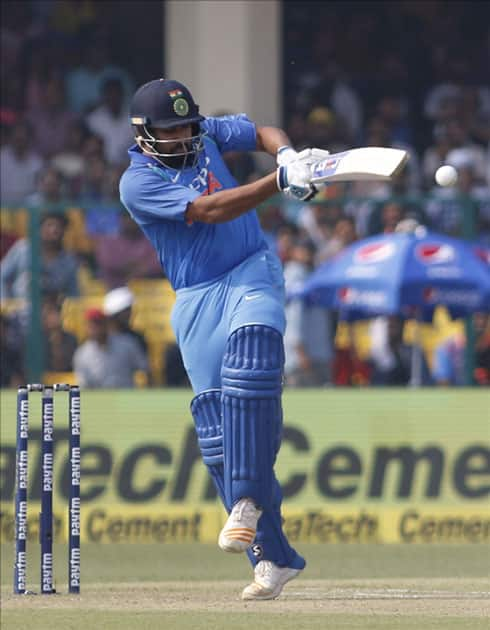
(251, 409)
(206, 411)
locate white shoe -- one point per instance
(239, 531)
(269, 580)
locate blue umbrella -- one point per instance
(403, 274)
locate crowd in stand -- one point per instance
(64, 140)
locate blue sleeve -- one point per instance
(149, 198)
(232, 133)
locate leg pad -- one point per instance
(251, 411)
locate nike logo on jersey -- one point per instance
(252, 297)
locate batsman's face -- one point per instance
(175, 138)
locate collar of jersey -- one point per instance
(137, 155)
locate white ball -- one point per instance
(446, 175)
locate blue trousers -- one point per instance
(203, 318)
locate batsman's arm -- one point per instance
(226, 205)
(271, 139)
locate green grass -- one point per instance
(197, 586)
(152, 563)
(194, 586)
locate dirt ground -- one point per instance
(439, 598)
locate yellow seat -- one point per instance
(13, 305)
(76, 238)
(428, 334)
(150, 286)
(88, 284)
(51, 378)
(73, 314)
(15, 221)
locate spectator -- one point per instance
(93, 147)
(84, 84)
(379, 133)
(392, 110)
(435, 155)
(475, 113)
(58, 268)
(50, 194)
(481, 323)
(286, 236)
(450, 355)
(449, 361)
(118, 307)
(59, 345)
(386, 216)
(324, 131)
(7, 239)
(38, 72)
(344, 234)
(11, 353)
(334, 91)
(459, 138)
(449, 208)
(308, 337)
(457, 96)
(107, 360)
(296, 130)
(318, 219)
(94, 183)
(51, 122)
(19, 166)
(348, 369)
(69, 160)
(391, 358)
(126, 255)
(110, 122)
(370, 193)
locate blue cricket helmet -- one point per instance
(164, 103)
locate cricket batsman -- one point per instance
(228, 316)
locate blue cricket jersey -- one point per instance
(157, 197)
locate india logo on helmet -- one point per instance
(181, 107)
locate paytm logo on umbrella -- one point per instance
(435, 253)
(374, 252)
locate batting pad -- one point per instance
(206, 411)
(251, 412)
(271, 543)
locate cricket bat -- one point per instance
(366, 163)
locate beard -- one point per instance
(179, 162)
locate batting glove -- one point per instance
(294, 179)
(285, 155)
